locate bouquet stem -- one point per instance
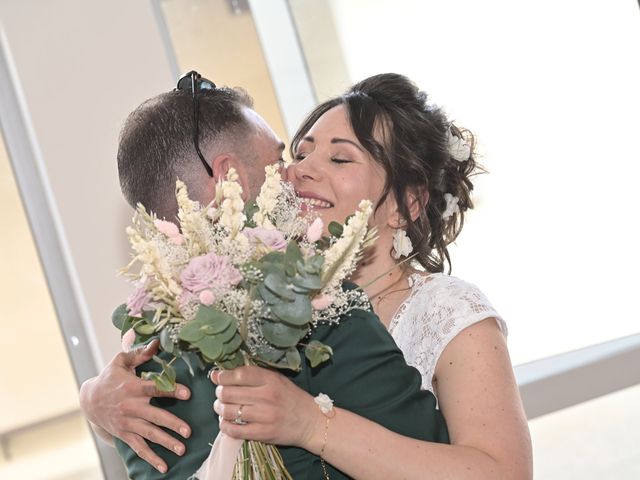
(260, 461)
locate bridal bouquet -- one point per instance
(235, 284)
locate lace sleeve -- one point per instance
(438, 308)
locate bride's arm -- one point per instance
(477, 394)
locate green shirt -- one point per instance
(367, 375)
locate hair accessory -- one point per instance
(402, 246)
(452, 205)
(459, 150)
(325, 404)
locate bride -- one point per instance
(382, 141)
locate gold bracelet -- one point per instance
(325, 404)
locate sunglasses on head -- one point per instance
(194, 82)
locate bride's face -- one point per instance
(332, 172)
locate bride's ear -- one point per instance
(416, 202)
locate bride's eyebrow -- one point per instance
(344, 140)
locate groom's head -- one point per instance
(157, 146)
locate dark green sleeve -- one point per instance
(367, 375)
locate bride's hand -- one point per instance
(276, 410)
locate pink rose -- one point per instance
(272, 239)
(314, 232)
(137, 301)
(209, 271)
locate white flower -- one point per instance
(452, 205)
(341, 258)
(402, 246)
(324, 402)
(232, 206)
(268, 197)
(458, 148)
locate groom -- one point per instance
(197, 133)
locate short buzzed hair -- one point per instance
(156, 143)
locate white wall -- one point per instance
(83, 66)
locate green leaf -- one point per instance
(166, 343)
(185, 358)
(307, 282)
(211, 348)
(293, 253)
(161, 381)
(120, 316)
(293, 359)
(335, 229)
(296, 313)
(317, 353)
(212, 319)
(250, 209)
(267, 296)
(229, 333)
(282, 335)
(232, 346)
(316, 262)
(278, 285)
(235, 360)
(192, 331)
(144, 328)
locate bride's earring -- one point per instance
(402, 246)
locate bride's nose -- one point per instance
(305, 169)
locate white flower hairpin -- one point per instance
(452, 205)
(458, 148)
(402, 246)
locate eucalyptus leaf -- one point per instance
(229, 332)
(317, 353)
(278, 285)
(293, 359)
(307, 281)
(211, 348)
(119, 316)
(185, 358)
(335, 229)
(267, 296)
(250, 209)
(212, 319)
(232, 346)
(144, 328)
(292, 254)
(296, 313)
(165, 340)
(192, 331)
(282, 335)
(233, 361)
(161, 381)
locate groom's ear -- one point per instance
(221, 165)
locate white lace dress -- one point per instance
(437, 309)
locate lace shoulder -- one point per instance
(437, 309)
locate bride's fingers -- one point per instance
(231, 412)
